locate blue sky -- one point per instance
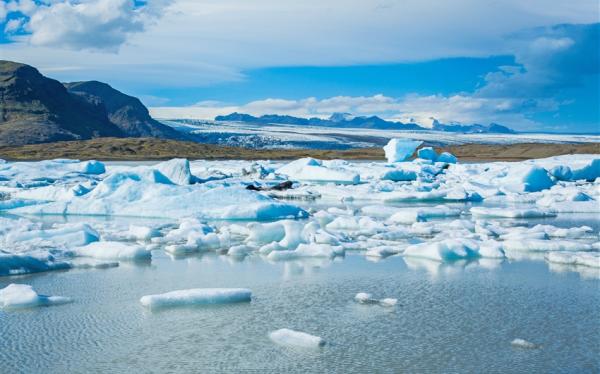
(533, 66)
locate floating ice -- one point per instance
(293, 338)
(511, 212)
(113, 251)
(398, 150)
(591, 259)
(367, 298)
(197, 296)
(444, 250)
(447, 157)
(34, 262)
(545, 245)
(427, 153)
(16, 296)
(311, 170)
(522, 343)
(411, 215)
(177, 170)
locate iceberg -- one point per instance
(511, 212)
(427, 153)
(113, 251)
(576, 258)
(311, 170)
(293, 338)
(522, 343)
(16, 296)
(398, 150)
(197, 296)
(445, 250)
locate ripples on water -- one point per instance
(449, 318)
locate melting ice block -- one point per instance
(591, 259)
(23, 296)
(177, 170)
(113, 251)
(311, 170)
(427, 153)
(511, 213)
(197, 296)
(398, 150)
(522, 343)
(444, 250)
(296, 338)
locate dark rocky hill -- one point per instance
(126, 112)
(36, 109)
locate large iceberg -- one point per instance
(397, 150)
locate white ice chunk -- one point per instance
(444, 250)
(197, 296)
(113, 251)
(412, 215)
(545, 245)
(511, 212)
(522, 343)
(16, 296)
(398, 150)
(591, 259)
(177, 170)
(293, 338)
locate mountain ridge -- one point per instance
(346, 120)
(37, 109)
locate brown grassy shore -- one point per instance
(134, 149)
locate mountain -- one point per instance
(126, 112)
(36, 109)
(472, 129)
(347, 120)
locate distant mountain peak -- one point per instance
(340, 117)
(372, 122)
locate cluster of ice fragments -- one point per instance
(431, 210)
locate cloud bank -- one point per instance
(548, 60)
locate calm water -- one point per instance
(450, 318)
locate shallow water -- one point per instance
(450, 318)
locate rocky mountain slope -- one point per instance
(37, 109)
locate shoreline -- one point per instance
(139, 149)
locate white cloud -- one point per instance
(83, 25)
(235, 35)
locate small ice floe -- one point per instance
(367, 298)
(522, 343)
(578, 258)
(293, 338)
(446, 250)
(16, 296)
(197, 296)
(312, 170)
(511, 213)
(113, 251)
(412, 215)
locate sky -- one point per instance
(530, 65)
